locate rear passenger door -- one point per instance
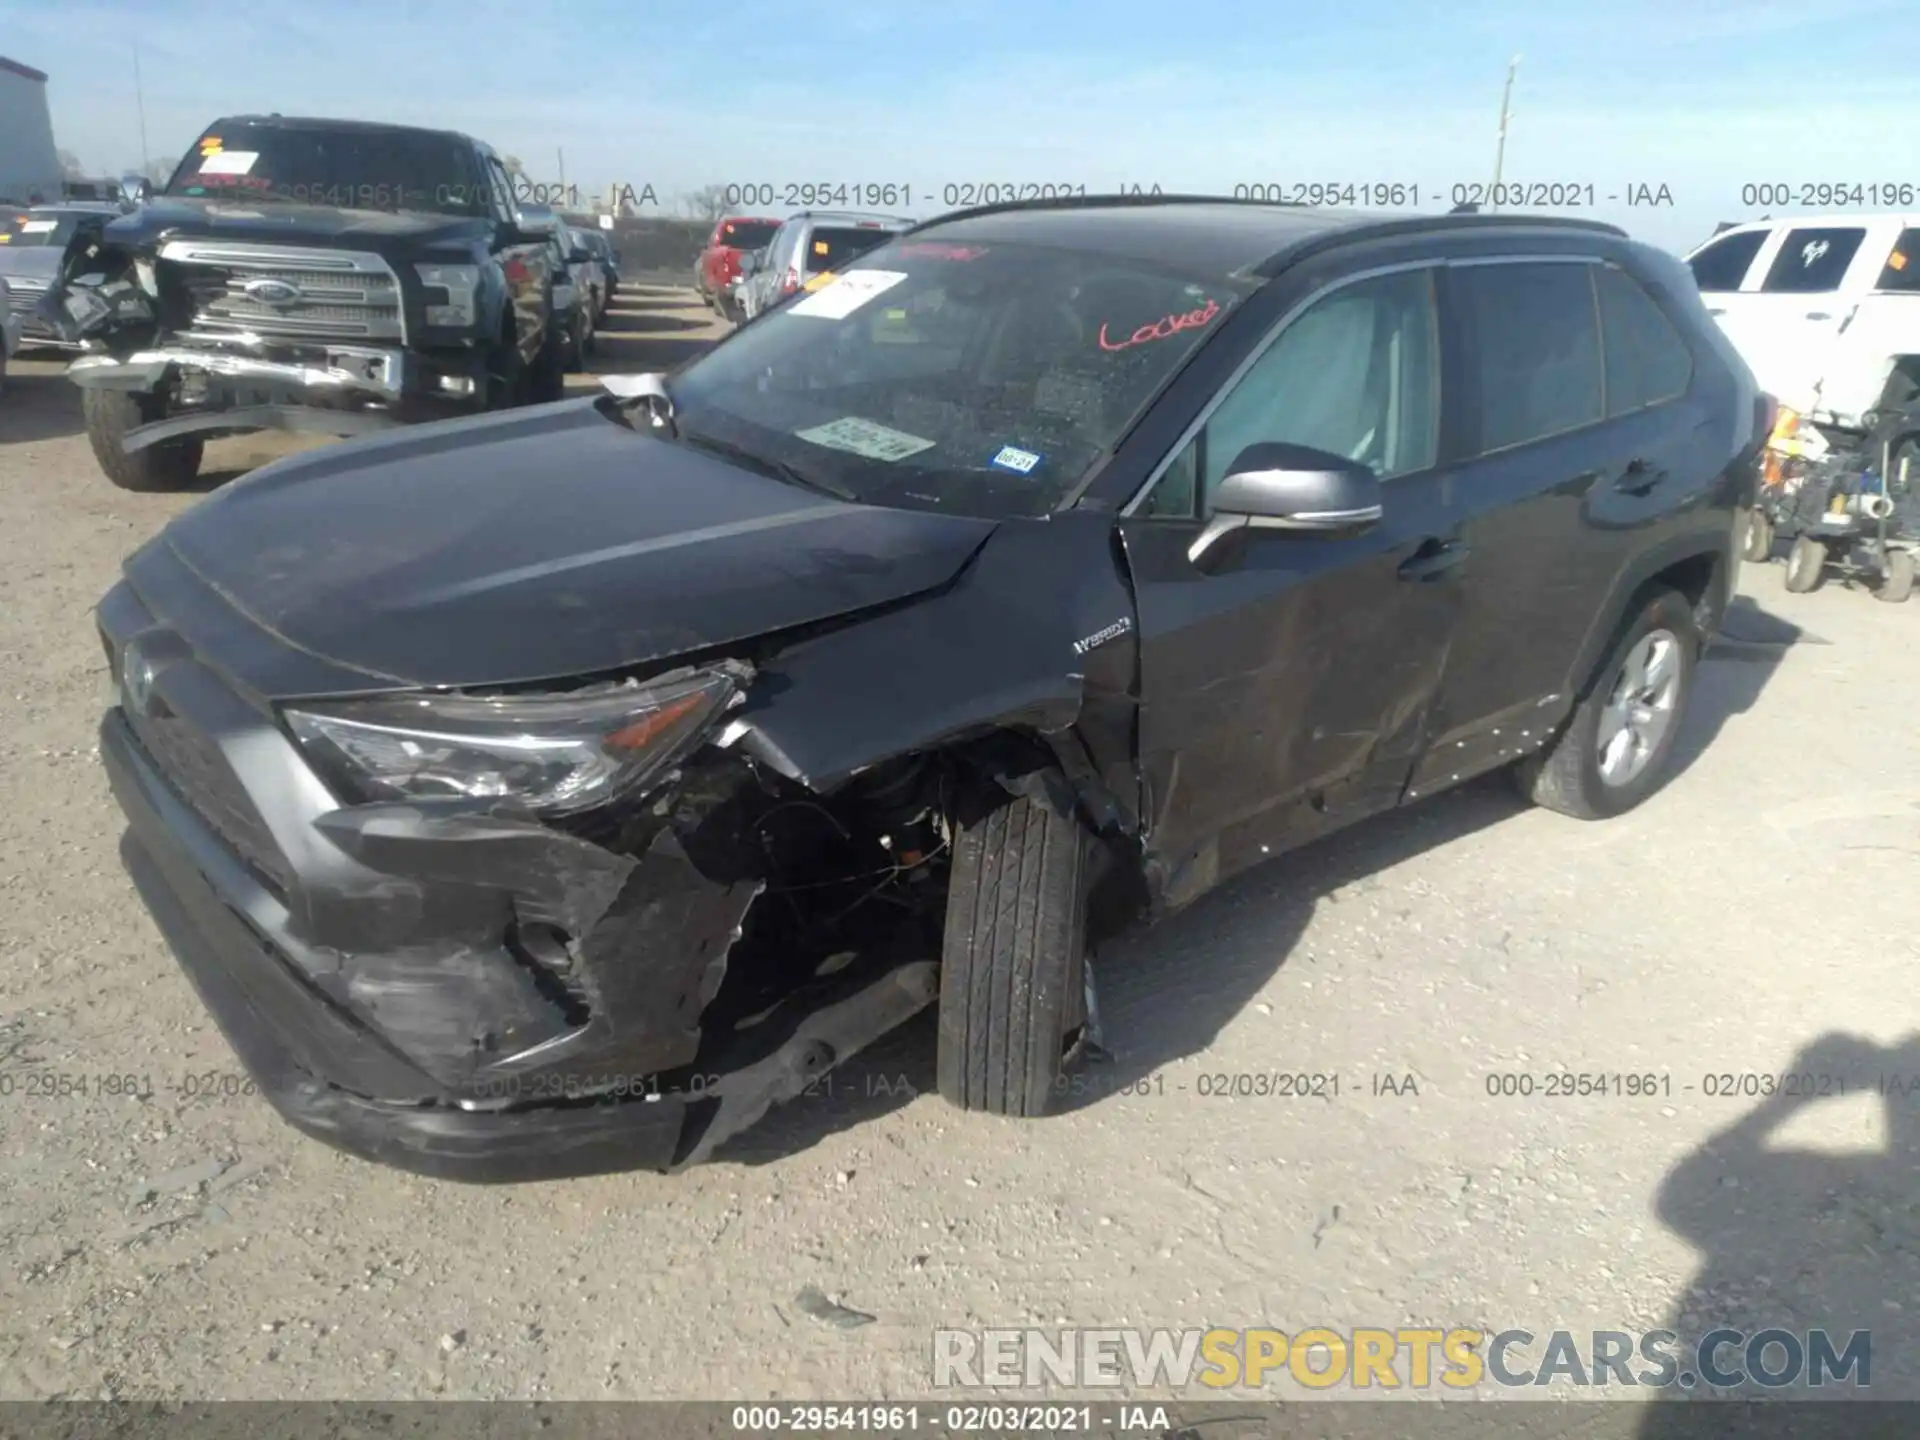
(1532, 396)
(1585, 434)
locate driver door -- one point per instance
(1285, 689)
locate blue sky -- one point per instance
(1695, 95)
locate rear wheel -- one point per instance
(109, 415)
(1615, 750)
(1013, 963)
(1896, 579)
(1806, 565)
(1757, 545)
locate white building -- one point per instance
(29, 164)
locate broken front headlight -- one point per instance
(551, 753)
(452, 293)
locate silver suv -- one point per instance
(806, 251)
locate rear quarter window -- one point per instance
(1647, 361)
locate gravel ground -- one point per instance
(1755, 918)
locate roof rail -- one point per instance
(1090, 202)
(1459, 217)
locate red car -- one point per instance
(719, 263)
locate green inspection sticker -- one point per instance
(864, 437)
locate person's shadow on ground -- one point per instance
(1798, 1239)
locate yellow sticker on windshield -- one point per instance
(210, 145)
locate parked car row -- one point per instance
(750, 265)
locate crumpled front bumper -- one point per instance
(340, 1081)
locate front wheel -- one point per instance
(109, 415)
(1615, 750)
(1013, 963)
(1757, 544)
(1806, 565)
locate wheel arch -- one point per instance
(1700, 565)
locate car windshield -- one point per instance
(982, 379)
(830, 247)
(354, 169)
(747, 234)
(26, 229)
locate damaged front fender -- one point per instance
(1036, 637)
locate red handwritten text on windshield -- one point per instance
(1164, 328)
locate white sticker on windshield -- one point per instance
(863, 437)
(39, 227)
(229, 162)
(847, 293)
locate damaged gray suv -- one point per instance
(553, 791)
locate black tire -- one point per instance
(109, 415)
(3, 365)
(1013, 962)
(547, 376)
(1757, 544)
(506, 376)
(1806, 565)
(1567, 776)
(590, 338)
(1896, 580)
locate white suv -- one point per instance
(1825, 310)
(11, 324)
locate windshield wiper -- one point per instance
(781, 469)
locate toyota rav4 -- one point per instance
(554, 791)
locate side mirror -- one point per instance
(579, 257)
(1295, 488)
(749, 263)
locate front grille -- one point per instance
(23, 294)
(192, 764)
(342, 294)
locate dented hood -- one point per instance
(544, 543)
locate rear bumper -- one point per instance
(314, 1062)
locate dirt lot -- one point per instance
(1760, 916)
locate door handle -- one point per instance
(1639, 478)
(1716, 312)
(1818, 315)
(1434, 560)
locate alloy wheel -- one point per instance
(1640, 707)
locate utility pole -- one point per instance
(140, 104)
(561, 151)
(1506, 114)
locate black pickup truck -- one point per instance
(322, 276)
